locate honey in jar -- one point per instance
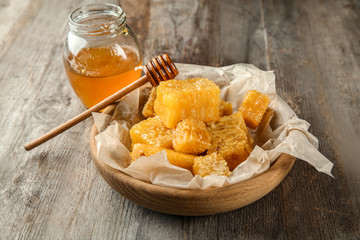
(101, 53)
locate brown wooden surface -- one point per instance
(55, 192)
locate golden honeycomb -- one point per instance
(178, 159)
(148, 110)
(151, 131)
(230, 138)
(191, 136)
(253, 108)
(192, 98)
(226, 108)
(209, 165)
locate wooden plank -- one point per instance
(43, 192)
(14, 17)
(200, 32)
(313, 50)
(55, 191)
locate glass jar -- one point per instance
(101, 53)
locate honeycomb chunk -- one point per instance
(226, 108)
(230, 138)
(253, 108)
(151, 131)
(210, 165)
(178, 159)
(148, 110)
(191, 136)
(192, 98)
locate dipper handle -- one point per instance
(158, 69)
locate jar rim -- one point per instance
(97, 19)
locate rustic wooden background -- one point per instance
(55, 192)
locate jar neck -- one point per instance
(97, 19)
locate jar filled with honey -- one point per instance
(101, 53)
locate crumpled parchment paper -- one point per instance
(286, 133)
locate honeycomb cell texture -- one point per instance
(253, 108)
(191, 136)
(230, 138)
(178, 159)
(148, 110)
(212, 164)
(192, 98)
(152, 131)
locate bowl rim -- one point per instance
(198, 202)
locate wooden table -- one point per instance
(55, 192)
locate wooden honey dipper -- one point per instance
(158, 69)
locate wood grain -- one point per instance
(316, 62)
(55, 192)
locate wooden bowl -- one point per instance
(193, 202)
